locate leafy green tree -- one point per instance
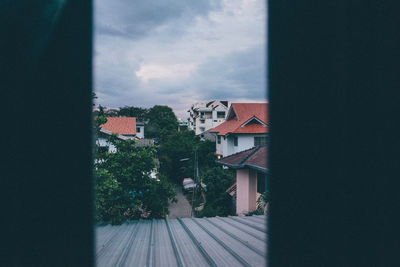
(179, 145)
(162, 122)
(182, 145)
(218, 202)
(139, 113)
(124, 188)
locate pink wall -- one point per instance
(246, 190)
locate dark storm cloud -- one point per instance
(135, 18)
(236, 75)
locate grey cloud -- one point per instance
(135, 18)
(237, 75)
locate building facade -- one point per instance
(246, 126)
(251, 177)
(207, 115)
(124, 127)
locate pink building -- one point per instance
(251, 175)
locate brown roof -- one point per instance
(254, 158)
(232, 190)
(120, 125)
(239, 114)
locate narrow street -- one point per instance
(182, 208)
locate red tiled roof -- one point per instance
(255, 158)
(244, 112)
(120, 125)
(252, 128)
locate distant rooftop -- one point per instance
(120, 125)
(244, 118)
(218, 241)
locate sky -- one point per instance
(179, 52)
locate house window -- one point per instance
(260, 140)
(202, 129)
(138, 129)
(235, 141)
(221, 114)
(219, 139)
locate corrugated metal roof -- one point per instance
(218, 241)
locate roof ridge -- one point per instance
(256, 148)
(238, 153)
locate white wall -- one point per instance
(219, 147)
(208, 123)
(245, 141)
(103, 142)
(141, 134)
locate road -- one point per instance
(182, 208)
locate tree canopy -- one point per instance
(138, 112)
(161, 123)
(124, 188)
(182, 145)
(218, 202)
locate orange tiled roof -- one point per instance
(120, 125)
(244, 112)
(252, 128)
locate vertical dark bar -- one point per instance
(333, 80)
(46, 84)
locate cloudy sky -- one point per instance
(179, 52)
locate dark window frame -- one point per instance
(218, 114)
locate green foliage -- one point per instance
(261, 201)
(124, 188)
(161, 123)
(218, 202)
(110, 203)
(139, 113)
(158, 192)
(179, 145)
(98, 120)
(182, 145)
(258, 211)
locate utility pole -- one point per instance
(195, 176)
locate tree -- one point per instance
(139, 113)
(218, 202)
(124, 188)
(181, 145)
(161, 123)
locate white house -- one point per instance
(204, 116)
(246, 126)
(124, 127)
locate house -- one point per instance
(124, 127)
(207, 135)
(246, 126)
(140, 129)
(204, 116)
(251, 177)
